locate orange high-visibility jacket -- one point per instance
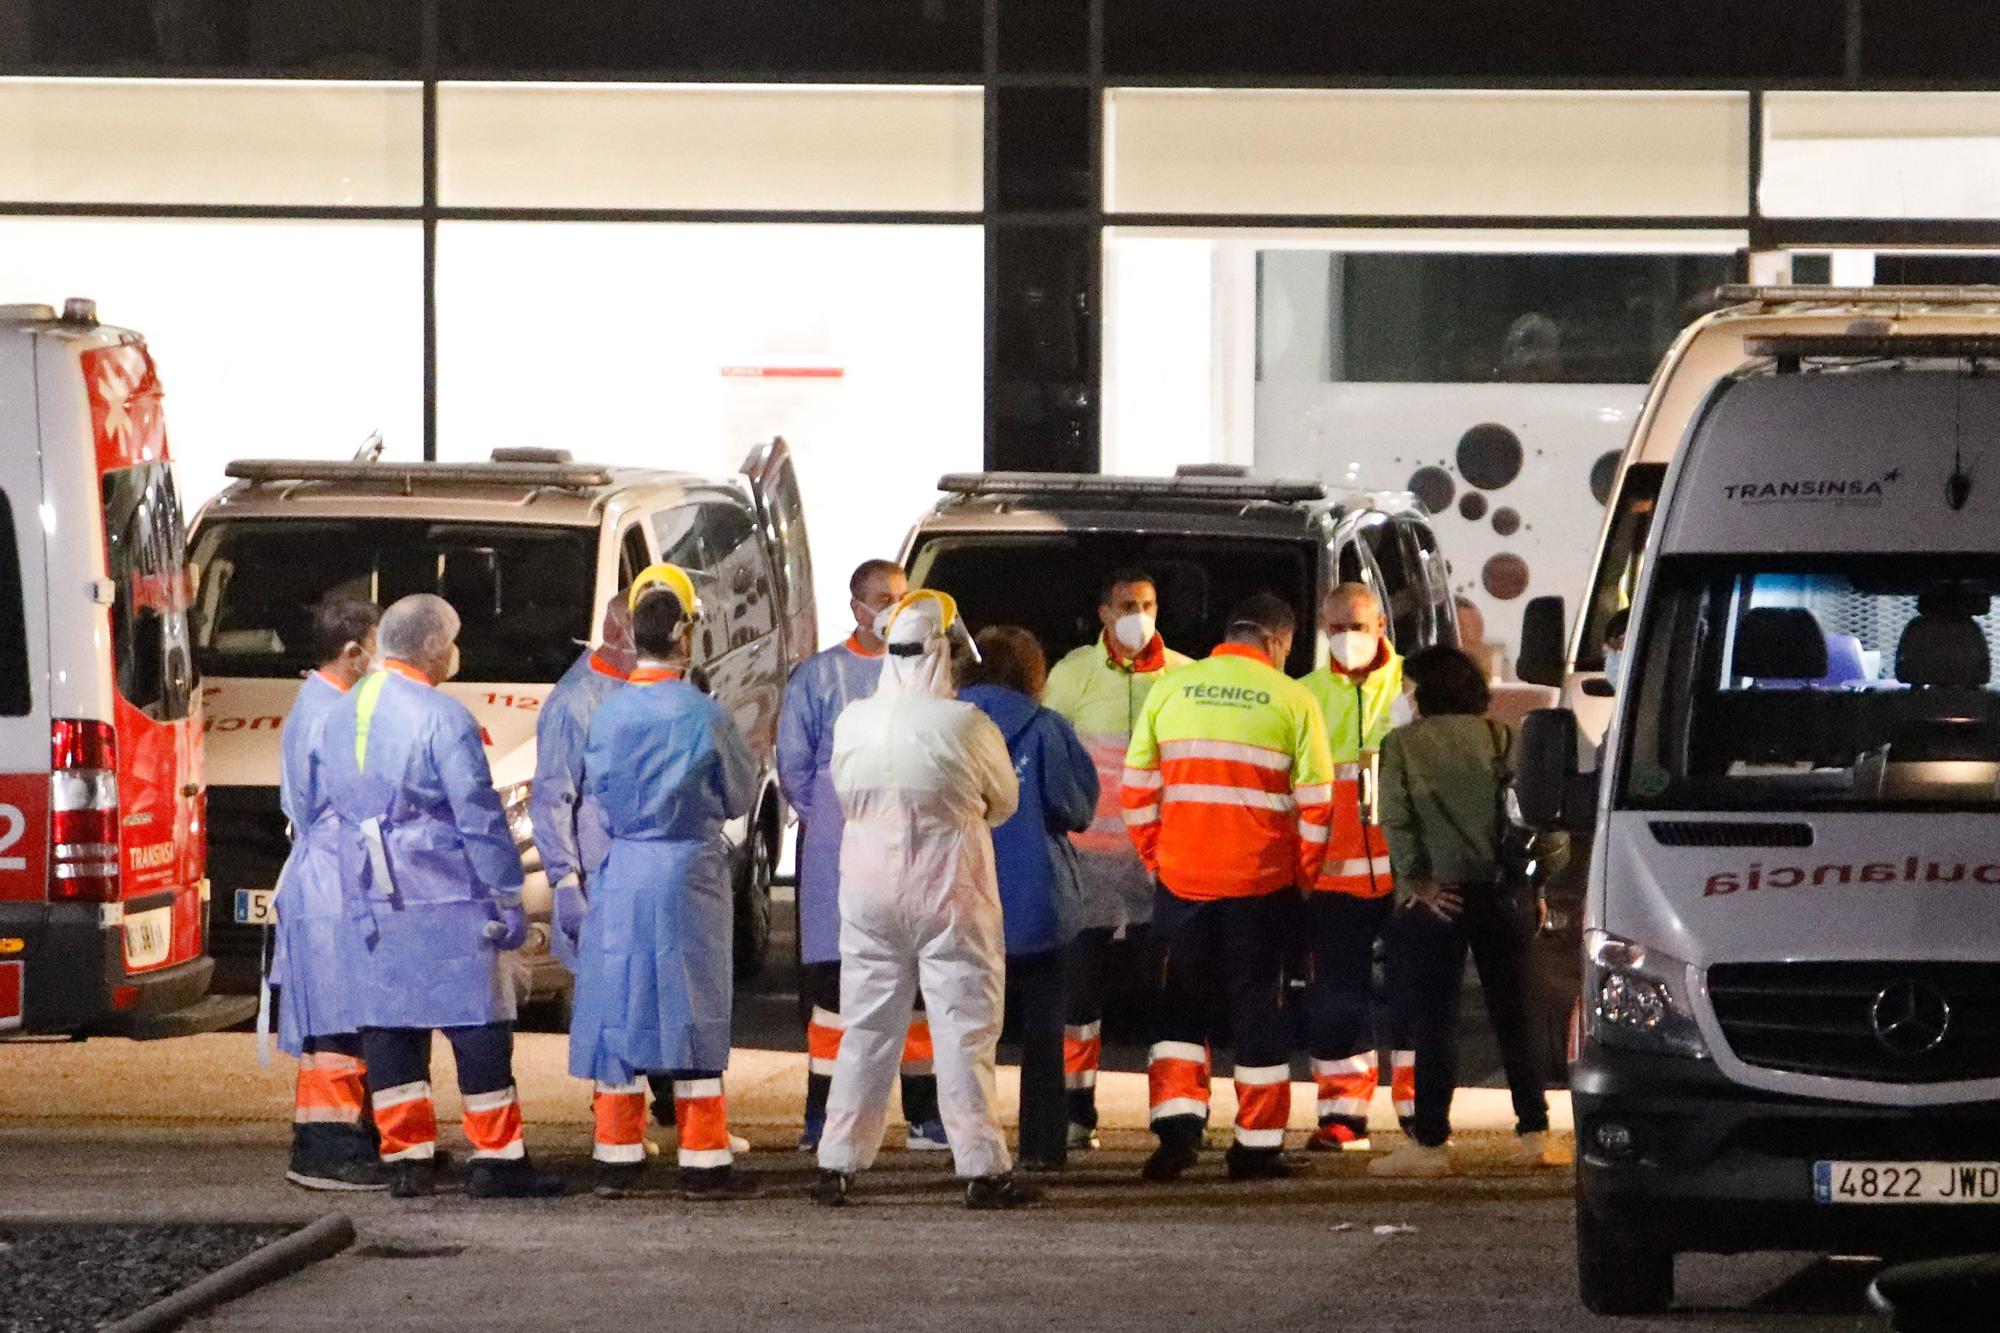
(1358, 715)
(1228, 780)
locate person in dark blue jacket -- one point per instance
(1041, 898)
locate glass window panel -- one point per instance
(251, 141)
(1429, 153)
(274, 339)
(1881, 155)
(853, 342)
(619, 146)
(331, 37)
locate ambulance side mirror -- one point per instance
(1550, 795)
(1542, 648)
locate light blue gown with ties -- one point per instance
(568, 830)
(817, 694)
(313, 957)
(653, 986)
(420, 769)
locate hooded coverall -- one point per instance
(818, 693)
(1227, 793)
(313, 961)
(1348, 906)
(1101, 693)
(667, 767)
(426, 863)
(922, 779)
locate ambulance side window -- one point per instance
(632, 555)
(147, 558)
(16, 698)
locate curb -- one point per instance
(281, 1258)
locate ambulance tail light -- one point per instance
(83, 805)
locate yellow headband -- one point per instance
(947, 608)
(672, 578)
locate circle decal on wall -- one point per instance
(1433, 486)
(1489, 456)
(1472, 506)
(1505, 576)
(1602, 474)
(1506, 522)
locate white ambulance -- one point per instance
(103, 894)
(1791, 993)
(527, 547)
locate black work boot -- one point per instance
(830, 1190)
(620, 1180)
(1169, 1162)
(510, 1178)
(1257, 1163)
(415, 1178)
(716, 1184)
(988, 1193)
(317, 1171)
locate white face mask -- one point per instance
(1135, 631)
(1352, 649)
(1614, 662)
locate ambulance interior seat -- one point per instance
(1943, 657)
(1776, 720)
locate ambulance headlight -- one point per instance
(1638, 998)
(514, 804)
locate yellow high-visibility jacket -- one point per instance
(1357, 719)
(1228, 780)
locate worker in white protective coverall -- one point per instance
(922, 780)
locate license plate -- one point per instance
(1906, 1182)
(253, 907)
(148, 937)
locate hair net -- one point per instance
(417, 629)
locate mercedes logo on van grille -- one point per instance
(1910, 1018)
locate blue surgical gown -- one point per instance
(568, 831)
(428, 962)
(820, 689)
(653, 985)
(313, 959)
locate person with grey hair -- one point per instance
(433, 885)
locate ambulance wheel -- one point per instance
(753, 903)
(1617, 1277)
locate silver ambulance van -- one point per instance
(1791, 991)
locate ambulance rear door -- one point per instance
(24, 702)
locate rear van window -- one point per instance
(16, 697)
(1049, 584)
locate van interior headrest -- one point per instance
(1944, 651)
(1780, 643)
(1954, 600)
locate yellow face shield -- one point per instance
(934, 605)
(673, 579)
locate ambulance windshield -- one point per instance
(524, 593)
(1844, 683)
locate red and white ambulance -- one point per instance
(102, 849)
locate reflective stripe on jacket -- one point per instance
(1227, 789)
(1357, 720)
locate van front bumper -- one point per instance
(1715, 1167)
(75, 978)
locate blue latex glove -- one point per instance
(508, 929)
(570, 905)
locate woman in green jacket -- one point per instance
(1443, 780)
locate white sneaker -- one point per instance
(738, 1145)
(1530, 1150)
(1413, 1161)
(928, 1137)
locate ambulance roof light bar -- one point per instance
(1887, 294)
(1874, 344)
(1188, 487)
(567, 476)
